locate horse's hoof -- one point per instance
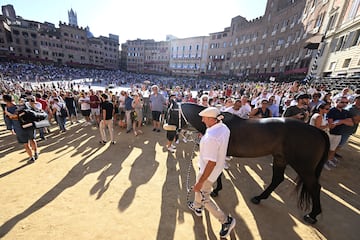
(255, 200)
(309, 219)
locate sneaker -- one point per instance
(335, 160)
(31, 160)
(177, 141)
(327, 167)
(158, 130)
(102, 142)
(154, 129)
(331, 163)
(197, 211)
(185, 140)
(113, 142)
(227, 227)
(170, 149)
(36, 155)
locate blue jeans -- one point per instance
(61, 122)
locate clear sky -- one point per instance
(144, 19)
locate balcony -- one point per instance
(273, 64)
(265, 65)
(273, 33)
(286, 45)
(261, 51)
(281, 64)
(277, 48)
(269, 49)
(283, 29)
(264, 36)
(292, 25)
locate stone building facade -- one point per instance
(27, 40)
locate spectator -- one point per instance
(157, 103)
(58, 111)
(338, 119)
(107, 114)
(25, 136)
(300, 110)
(128, 111)
(137, 105)
(262, 111)
(71, 107)
(84, 101)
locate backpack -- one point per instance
(63, 112)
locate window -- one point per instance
(354, 9)
(340, 43)
(356, 39)
(331, 22)
(346, 62)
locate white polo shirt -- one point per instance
(213, 147)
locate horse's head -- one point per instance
(189, 112)
(174, 120)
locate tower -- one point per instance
(9, 11)
(72, 18)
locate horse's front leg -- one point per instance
(277, 178)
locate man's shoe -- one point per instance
(113, 142)
(227, 227)
(36, 155)
(102, 142)
(197, 211)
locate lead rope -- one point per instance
(196, 141)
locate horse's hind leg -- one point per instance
(314, 188)
(277, 178)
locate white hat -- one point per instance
(212, 112)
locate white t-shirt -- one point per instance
(84, 103)
(213, 147)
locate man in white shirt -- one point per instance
(213, 149)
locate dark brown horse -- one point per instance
(290, 142)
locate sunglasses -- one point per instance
(327, 108)
(344, 102)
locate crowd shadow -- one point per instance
(94, 158)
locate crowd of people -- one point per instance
(148, 98)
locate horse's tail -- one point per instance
(305, 195)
